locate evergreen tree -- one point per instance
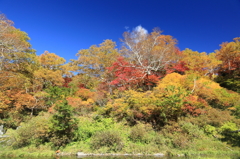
(63, 125)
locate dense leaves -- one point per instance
(148, 80)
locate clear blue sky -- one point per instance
(66, 26)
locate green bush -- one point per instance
(108, 138)
(35, 131)
(193, 131)
(184, 138)
(138, 134)
(210, 130)
(230, 133)
(141, 133)
(162, 142)
(213, 117)
(88, 126)
(181, 141)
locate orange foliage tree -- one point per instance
(174, 96)
(229, 73)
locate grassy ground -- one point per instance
(105, 136)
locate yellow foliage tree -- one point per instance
(201, 63)
(50, 71)
(93, 61)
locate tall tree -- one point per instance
(50, 72)
(145, 58)
(126, 76)
(51, 61)
(15, 50)
(63, 125)
(229, 73)
(201, 63)
(94, 60)
(149, 52)
(17, 64)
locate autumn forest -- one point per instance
(148, 96)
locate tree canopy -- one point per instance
(147, 80)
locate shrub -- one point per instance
(141, 133)
(88, 126)
(137, 134)
(108, 138)
(181, 141)
(230, 133)
(162, 142)
(193, 131)
(213, 117)
(210, 130)
(35, 131)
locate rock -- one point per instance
(138, 154)
(158, 154)
(1, 130)
(81, 154)
(180, 155)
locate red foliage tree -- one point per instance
(67, 80)
(126, 75)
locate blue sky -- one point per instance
(66, 26)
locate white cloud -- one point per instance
(141, 30)
(139, 33)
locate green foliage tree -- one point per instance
(63, 125)
(56, 93)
